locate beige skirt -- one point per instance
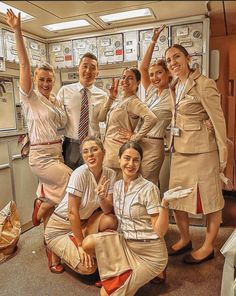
(57, 236)
(111, 158)
(200, 171)
(153, 158)
(46, 162)
(116, 255)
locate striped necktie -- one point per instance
(84, 116)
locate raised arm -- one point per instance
(145, 63)
(112, 97)
(25, 74)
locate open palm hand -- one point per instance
(12, 20)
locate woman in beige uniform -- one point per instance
(44, 116)
(131, 258)
(199, 152)
(155, 80)
(122, 117)
(77, 215)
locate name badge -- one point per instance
(175, 131)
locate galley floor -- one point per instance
(26, 274)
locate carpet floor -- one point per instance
(27, 274)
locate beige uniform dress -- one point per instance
(124, 113)
(200, 146)
(153, 143)
(143, 252)
(44, 120)
(58, 232)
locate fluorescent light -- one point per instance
(24, 16)
(126, 15)
(67, 25)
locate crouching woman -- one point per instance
(84, 210)
(130, 258)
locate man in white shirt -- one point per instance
(71, 96)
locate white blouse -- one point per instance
(134, 207)
(82, 184)
(43, 118)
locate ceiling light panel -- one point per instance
(145, 12)
(24, 16)
(66, 25)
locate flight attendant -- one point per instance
(155, 80)
(131, 258)
(122, 116)
(199, 152)
(77, 215)
(80, 99)
(44, 116)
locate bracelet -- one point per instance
(163, 207)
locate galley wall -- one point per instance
(114, 52)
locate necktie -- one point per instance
(84, 116)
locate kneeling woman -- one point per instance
(77, 215)
(130, 259)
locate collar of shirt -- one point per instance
(89, 88)
(45, 100)
(92, 176)
(138, 181)
(122, 100)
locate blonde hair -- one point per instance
(161, 63)
(92, 138)
(46, 67)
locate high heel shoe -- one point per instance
(54, 267)
(160, 279)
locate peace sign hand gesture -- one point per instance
(114, 88)
(102, 188)
(12, 20)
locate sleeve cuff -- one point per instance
(74, 191)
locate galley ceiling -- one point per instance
(222, 14)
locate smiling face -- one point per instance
(129, 83)
(88, 71)
(92, 155)
(159, 76)
(177, 62)
(44, 82)
(130, 162)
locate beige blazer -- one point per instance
(199, 116)
(124, 113)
